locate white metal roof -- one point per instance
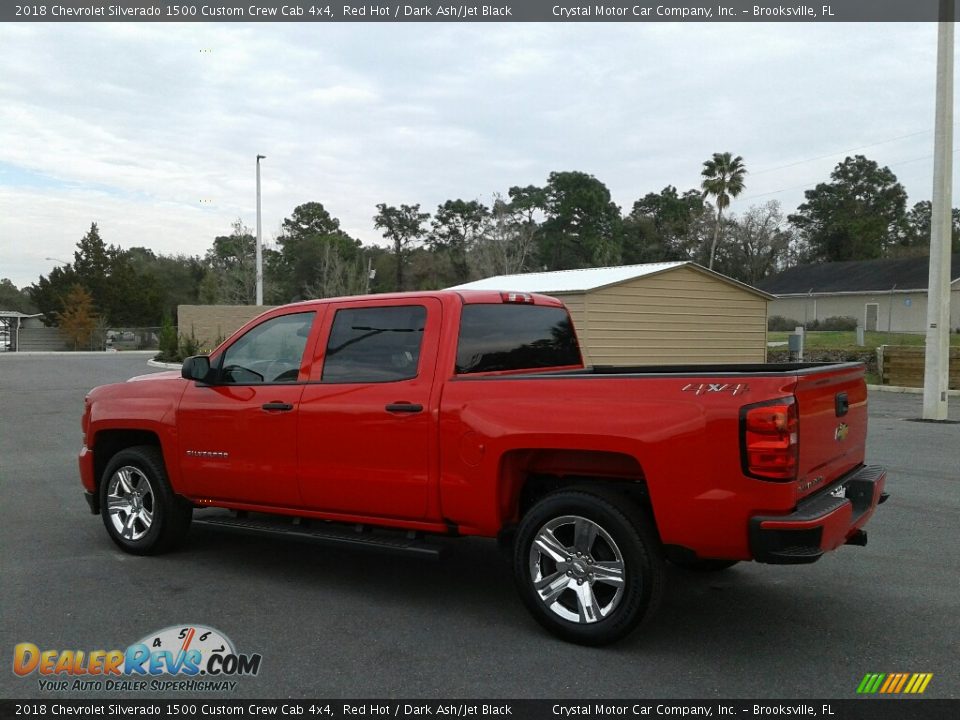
(561, 281)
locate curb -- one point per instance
(86, 353)
(166, 366)
(906, 390)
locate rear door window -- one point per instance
(515, 337)
(374, 344)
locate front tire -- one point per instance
(139, 509)
(588, 565)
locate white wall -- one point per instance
(896, 312)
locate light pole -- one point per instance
(57, 260)
(937, 355)
(259, 238)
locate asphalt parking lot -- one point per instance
(345, 623)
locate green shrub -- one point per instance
(169, 343)
(833, 323)
(778, 323)
(189, 345)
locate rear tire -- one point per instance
(139, 509)
(588, 565)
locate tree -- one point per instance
(916, 236)
(12, 298)
(173, 280)
(231, 262)
(456, 227)
(662, 225)
(50, 291)
(317, 258)
(758, 244)
(582, 226)
(120, 296)
(77, 321)
(310, 219)
(507, 240)
(723, 178)
(403, 226)
(859, 215)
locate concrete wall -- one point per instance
(896, 312)
(214, 323)
(41, 339)
(679, 316)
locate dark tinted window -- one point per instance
(270, 352)
(374, 344)
(515, 337)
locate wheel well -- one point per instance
(528, 475)
(109, 442)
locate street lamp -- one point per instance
(57, 260)
(259, 239)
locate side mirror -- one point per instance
(196, 367)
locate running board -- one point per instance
(361, 536)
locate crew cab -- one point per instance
(385, 420)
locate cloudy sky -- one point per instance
(151, 130)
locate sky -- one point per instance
(152, 130)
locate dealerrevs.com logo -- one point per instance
(179, 657)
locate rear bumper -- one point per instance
(822, 522)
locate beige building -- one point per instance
(884, 295)
(212, 324)
(657, 313)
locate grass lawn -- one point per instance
(847, 339)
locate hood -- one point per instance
(166, 375)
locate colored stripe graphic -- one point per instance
(867, 685)
(900, 684)
(894, 683)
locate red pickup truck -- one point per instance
(386, 420)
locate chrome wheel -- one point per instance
(576, 569)
(130, 502)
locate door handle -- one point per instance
(405, 407)
(279, 406)
(841, 404)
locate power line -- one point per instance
(817, 182)
(843, 152)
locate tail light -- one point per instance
(517, 297)
(769, 440)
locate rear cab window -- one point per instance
(511, 337)
(374, 344)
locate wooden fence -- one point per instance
(903, 366)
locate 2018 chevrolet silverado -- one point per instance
(461, 413)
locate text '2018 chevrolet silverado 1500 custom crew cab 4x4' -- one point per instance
(471, 413)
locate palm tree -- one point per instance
(723, 179)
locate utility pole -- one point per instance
(937, 357)
(259, 238)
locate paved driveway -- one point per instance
(339, 623)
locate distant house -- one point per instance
(657, 313)
(886, 295)
(11, 324)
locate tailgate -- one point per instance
(832, 405)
